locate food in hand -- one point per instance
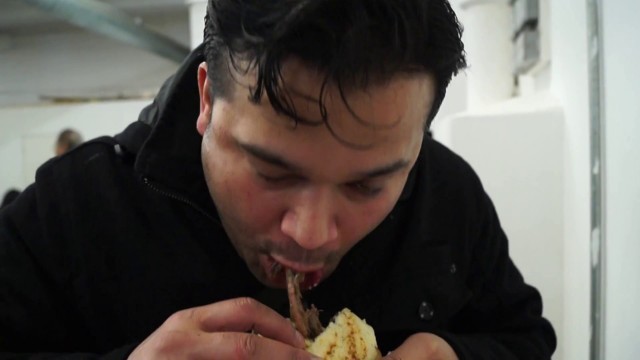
(346, 337)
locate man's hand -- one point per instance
(423, 346)
(224, 330)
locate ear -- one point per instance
(204, 89)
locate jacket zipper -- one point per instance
(155, 187)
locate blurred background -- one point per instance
(546, 113)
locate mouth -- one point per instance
(276, 266)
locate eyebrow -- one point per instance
(386, 169)
(276, 160)
(268, 157)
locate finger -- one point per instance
(423, 346)
(392, 356)
(246, 314)
(410, 349)
(231, 345)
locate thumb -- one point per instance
(392, 356)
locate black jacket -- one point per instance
(117, 235)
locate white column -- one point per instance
(488, 28)
(197, 12)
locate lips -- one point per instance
(275, 266)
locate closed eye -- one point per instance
(279, 179)
(364, 188)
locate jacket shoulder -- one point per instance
(88, 159)
(444, 164)
(444, 179)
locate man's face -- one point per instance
(296, 196)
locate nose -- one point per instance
(311, 219)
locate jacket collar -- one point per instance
(164, 140)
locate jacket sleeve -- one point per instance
(503, 319)
(117, 354)
(37, 319)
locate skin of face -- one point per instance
(59, 149)
(295, 195)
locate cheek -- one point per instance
(246, 207)
(256, 209)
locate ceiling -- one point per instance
(19, 18)
(44, 56)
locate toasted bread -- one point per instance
(346, 337)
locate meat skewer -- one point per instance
(306, 321)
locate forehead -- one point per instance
(388, 121)
(359, 118)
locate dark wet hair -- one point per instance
(355, 43)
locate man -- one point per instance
(68, 139)
(295, 138)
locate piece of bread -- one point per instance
(347, 337)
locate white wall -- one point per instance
(569, 83)
(565, 251)
(490, 50)
(514, 149)
(456, 100)
(28, 134)
(622, 178)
